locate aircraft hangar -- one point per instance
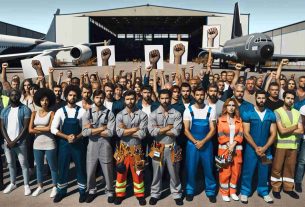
(289, 40)
(131, 28)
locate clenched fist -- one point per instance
(238, 66)
(212, 33)
(154, 57)
(284, 62)
(36, 64)
(179, 50)
(106, 53)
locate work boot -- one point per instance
(118, 201)
(276, 195)
(292, 194)
(153, 201)
(179, 201)
(142, 201)
(189, 198)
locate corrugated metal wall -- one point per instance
(9, 29)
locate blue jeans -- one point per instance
(301, 163)
(51, 156)
(19, 151)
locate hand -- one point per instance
(292, 76)
(106, 53)
(88, 126)
(122, 71)
(273, 75)
(122, 126)
(170, 126)
(212, 33)
(162, 72)
(238, 66)
(37, 66)
(179, 50)
(51, 70)
(4, 65)
(192, 67)
(199, 144)
(82, 75)
(183, 69)
(284, 62)
(154, 57)
(61, 74)
(149, 68)
(11, 144)
(259, 151)
(71, 138)
(107, 76)
(40, 78)
(86, 73)
(247, 70)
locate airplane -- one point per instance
(252, 50)
(12, 47)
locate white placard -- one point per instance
(211, 36)
(30, 72)
(154, 53)
(105, 55)
(178, 52)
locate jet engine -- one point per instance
(81, 53)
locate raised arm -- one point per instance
(279, 70)
(238, 67)
(51, 78)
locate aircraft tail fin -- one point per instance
(51, 35)
(236, 27)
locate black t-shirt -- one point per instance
(273, 105)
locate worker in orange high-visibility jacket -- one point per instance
(230, 137)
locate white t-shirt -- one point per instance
(186, 105)
(108, 104)
(146, 109)
(199, 114)
(59, 117)
(261, 114)
(80, 104)
(302, 111)
(232, 132)
(13, 125)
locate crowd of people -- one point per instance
(236, 126)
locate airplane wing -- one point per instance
(291, 58)
(7, 57)
(217, 55)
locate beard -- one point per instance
(130, 106)
(147, 98)
(165, 105)
(199, 101)
(260, 104)
(213, 98)
(72, 101)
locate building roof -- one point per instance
(148, 10)
(298, 26)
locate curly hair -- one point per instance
(44, 92)
(74, 88)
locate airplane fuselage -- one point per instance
(250, 49)
(12, 45)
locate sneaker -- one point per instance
(142, 201)
(118, 201)
(179, 201)
(82, 197)
(268, 199)
(38, 191)
(234, 197)
(53, 192)
(90, 198)
(27, 190)
(9, 188)
(189, 198)
(298, 187)
(292, 194)
(276, 195)
(111, 199)
(244, 199)
(58, 197)
(153, 201)
(226, 198)
(212, 199)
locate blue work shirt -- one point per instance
(244, 107)
(259, 130)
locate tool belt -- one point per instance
(157, 152)
(134, 151)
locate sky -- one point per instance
(264, 14)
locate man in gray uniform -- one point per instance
(131, 127)
(164, 124)
(98, 124)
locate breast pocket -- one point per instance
(170, 120)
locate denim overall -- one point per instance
(76, 150)
(200, 128)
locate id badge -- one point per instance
(157, 154)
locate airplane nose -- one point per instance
(267, 51)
